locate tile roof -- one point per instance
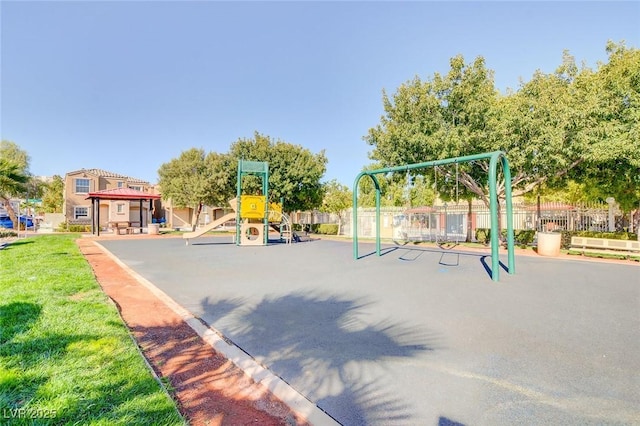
(108, 174)
(123, 194)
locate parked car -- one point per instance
(5, 221)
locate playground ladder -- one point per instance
(285, 228)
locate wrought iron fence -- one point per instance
(453, 221)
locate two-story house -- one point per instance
(78, 208)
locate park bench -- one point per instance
(120, 228)
(605, 246)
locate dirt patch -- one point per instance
(209, 388)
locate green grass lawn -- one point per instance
(66, 357)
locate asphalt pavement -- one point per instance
(418, 335)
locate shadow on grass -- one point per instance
(13, 244)
(132, 402)
(21, 356)
(323, 347)
(25, 365)
(16, 318)
(25, 384)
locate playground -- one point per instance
(361, 333)
(417, 335)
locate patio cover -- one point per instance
(117, 194)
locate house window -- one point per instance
(82, 186)
(136, 188)
(120, 184)
(120, 208)
(80, 212)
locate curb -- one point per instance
(259, 374)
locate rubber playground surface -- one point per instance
(419, 335)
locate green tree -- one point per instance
(391, 192)
(443, 117)
(600, 130)
(572, 123)
(397, 190)
(422, 192)
(194, 179)
(53, 195)
(612, 97)
(11, 151)
(294, 171)
(14, 175)
(337, 199)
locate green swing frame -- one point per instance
(494, 158)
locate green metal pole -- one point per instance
(493, 203)
(265, 190)
(507, 195)
(354, 224)
(426, 164)
(238, 193)
(493, 208)
(377, 216)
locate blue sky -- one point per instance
(127, 86)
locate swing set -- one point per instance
(493, 157)
(430, 223)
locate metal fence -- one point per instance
(452, 221)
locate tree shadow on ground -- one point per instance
(220, 308)
(216, 388)
(325, 348)
(443, 421)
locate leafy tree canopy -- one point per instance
(194, 179)
(294, 171)
(53, 195)
(14, 175)
(337, 199)
(10, 151)
(197, 178)
(574, 123)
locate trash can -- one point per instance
(549, 243)
(153, 228)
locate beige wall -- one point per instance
(108, 209)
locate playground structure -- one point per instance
(494, 157)
(213, 225)
(253, 214)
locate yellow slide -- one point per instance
(209, 227)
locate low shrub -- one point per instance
(66, 227)
(305, 227)
(523, 237)
(483, 235)
(328, 229)
(610, 235)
